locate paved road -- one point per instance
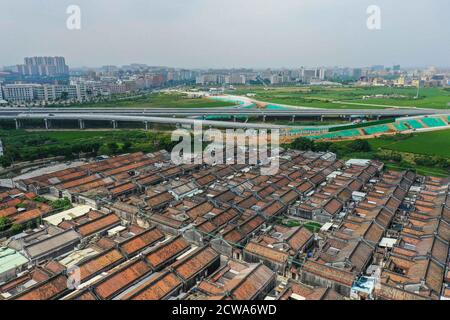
(143, 119)
(183, 112)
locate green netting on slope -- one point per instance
(433, 122)
(338, 134)
(376, 129)
(400, 126)
(413, 124)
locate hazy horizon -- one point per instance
(237, 34)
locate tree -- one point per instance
(323, 146)
(359, 146)
(113, 147)
(5, 222)
(16, 228)
(5, 161)
(127, 146)
(304, 144)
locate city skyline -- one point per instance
(208, 34)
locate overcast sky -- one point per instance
(231, 33)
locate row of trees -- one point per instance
(28, 148)
(341, 150)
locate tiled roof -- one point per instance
(103, 223)
(47, 290)
(167, 251)
(330, 273)
(333, 207)
(27, 216)
(266, 252)
(199, 210)
(195, 262)
(120, 279)
(160, 199)
(85, 295)
(387, 292)
(101, 262)
(7, 212)
(127, 187)
(251, 224)
(251, 285)
(141, 241)
(274, 208)
(299, 238)
(157, 288)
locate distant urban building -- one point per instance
(357, 73)
(235, 79)
(45, 92)
(308, 74)
(44, 66)
(377, 68)
(19, 92)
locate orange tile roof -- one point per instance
(266, 252)
(84, 296)
(330, 273)
(99, 224)
(195, 262)
(299, 238)
(157, 288)
(99, 263)
(27, 216)
(160, 199)
(120, 279)
(47, 290)
(248, 287)
(7, 212)
(199, 210)
(137, 243)
(78, 182)
(167, 251)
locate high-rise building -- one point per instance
(357, 73)
(43, 66)
(308, 74)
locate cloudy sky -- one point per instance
(232, 33)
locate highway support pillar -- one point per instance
(293, 119)
(17, 121)
(321, 118)
(146, 125)
(264, 118)
(47, 124)
(81, 124)
(114, 124)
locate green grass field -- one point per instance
(350, 97)
(157, 100)
(435, 143)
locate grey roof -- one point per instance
(52, 243)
